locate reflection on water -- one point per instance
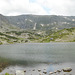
(39, 52)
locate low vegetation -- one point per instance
(64, 35)
(24, 36)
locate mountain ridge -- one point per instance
(38, 22)
(42, 22)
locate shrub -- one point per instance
(6, 73)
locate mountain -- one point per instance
(36, 28)
(5, 25)
(37, 22)
(42, 22)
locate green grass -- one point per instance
(66, 35)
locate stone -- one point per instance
(67, 69)
(59, 70)
(24, 70)
(39, 70)
(55, 71)
(50, 73)
(33, 69)
(40, 74)
(45, 72)
(20, 72)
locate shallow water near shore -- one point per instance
(33, 70)
(29, 56)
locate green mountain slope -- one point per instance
(64, 35)
(23, 36)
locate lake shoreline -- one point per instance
(37, 43)
(42, 67)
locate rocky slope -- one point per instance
(42, 22)
(5, 25)
(33, 28)
(37, 22)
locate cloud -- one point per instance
(59, 7)
(39, 7)
(17, 7)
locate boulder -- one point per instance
(39, 70)
(20, 72)
(51, 73)
(55, 71)
(45, 72)
(40, 74)
(67, 69)
(59, 70)
(24, 70)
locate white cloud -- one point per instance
(36, 9)
(17, 7)
(57, 7)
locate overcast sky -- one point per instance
(38, 7)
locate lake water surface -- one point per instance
(50, 55)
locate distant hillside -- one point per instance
(5, 25)
(64, 35)
(42, 22)
(36, 22)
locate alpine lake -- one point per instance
(34, 56)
